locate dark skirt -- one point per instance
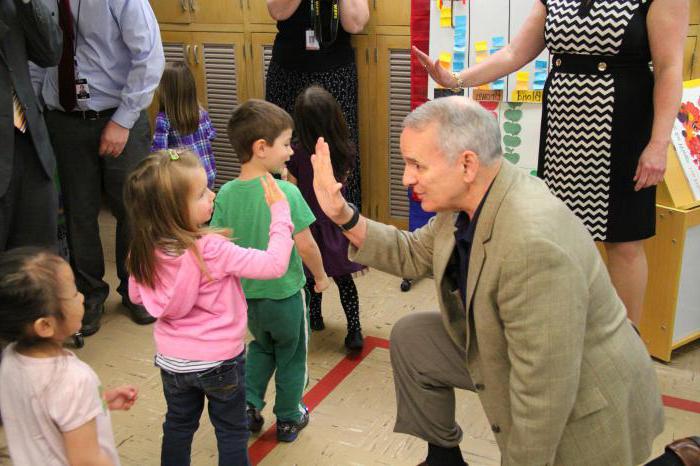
(283, 86)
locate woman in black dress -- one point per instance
(606, 119)
(313, 47)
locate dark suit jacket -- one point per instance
(27, 32)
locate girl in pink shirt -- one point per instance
(188, 277)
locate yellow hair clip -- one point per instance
(173, 154)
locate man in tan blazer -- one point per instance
(528, 317)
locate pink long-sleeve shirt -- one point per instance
(205, 319)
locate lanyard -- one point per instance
(318, 26)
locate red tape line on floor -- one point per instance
(268, 440)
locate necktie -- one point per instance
(18, 113)
(66, 67)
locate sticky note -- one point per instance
(498, 41)
(445, 60)
(481, 46)
(522, 76)
(446, 17)
(540, 64)
(481, 56)
(494, 50)
(498, 84)
(538, 85)
(457, 66)
(458, 55)
(460, 22)
(540, 75)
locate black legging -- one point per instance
(348, 299)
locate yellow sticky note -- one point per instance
(481, 56)
(446, 60)
(522, 76)
(446, 17)
(481, 46)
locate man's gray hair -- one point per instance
(463, 125)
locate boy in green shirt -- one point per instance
(260, 133)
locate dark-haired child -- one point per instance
(318, 114)
(52, 403)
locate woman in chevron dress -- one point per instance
(606, 119)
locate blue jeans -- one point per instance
(224, 387)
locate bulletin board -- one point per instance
(465, 32)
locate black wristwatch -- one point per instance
(353, 220)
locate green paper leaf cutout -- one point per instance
(512, 128)
(514, 104)
(533, 172)
(512, 157)
(511, 141)
(513, 115)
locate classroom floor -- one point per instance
(352, 399)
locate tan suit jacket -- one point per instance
(562, 376)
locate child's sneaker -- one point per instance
(255, 419)
(288, 431)
(317, 324)
(354, 341)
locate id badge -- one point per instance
(82, 90)
(311, 42)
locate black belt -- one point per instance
(92, 114)
(596, 64)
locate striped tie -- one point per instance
(19, 117)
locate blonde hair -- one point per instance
(177, 97)
(156, 199)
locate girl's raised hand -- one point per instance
(121, 398)
(273, 193)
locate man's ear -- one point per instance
(44, 327)
(259, 146)
(469, 163)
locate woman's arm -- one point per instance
(282, 9)
(524, 47)
(667, 23)
(354, 15)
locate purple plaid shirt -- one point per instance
(199, 142)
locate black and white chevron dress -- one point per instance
(597, 114)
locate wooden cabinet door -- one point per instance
(391, 105)
(217, 11)
(223, 81)
(261, 54)
(691, 57)
(171, 11)
(364, 50)
(257, 12)
(390, 12)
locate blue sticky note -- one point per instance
(540, 75)
(460, 22)
(494, 50)
(457, 66)
(538, 85)
(540, 64)
(498, 84)
(498, 41)
(461, 49)
(457, 56)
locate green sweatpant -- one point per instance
(281, 331)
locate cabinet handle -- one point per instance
(376, 56)
(196, 54)
(244, 53)
(248, 2)
(374, 4)
(187, 53)
(251, 50)
(183, 5)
